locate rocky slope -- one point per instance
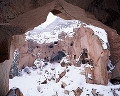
(43, 81)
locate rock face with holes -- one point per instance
(77, 92)
(85, 42)
(27, 54)
(19, 16)
(84, 47)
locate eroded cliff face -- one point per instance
(19, 16)
(103, 11)
(85, 41)
(84, 47)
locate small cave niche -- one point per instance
(63, 50)
(109, 57)
(108, 68)
(46, 63)
(33, 55)
(57, 57)
(74, 56)
(55, 12)
(46, 59)
(86, 55)
(71, 44)
(61, 53)
(37, 46)
(83, 62)
(56, 42)
(91, 62)
(115, 81)
(51, 46)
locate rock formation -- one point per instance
(19, 16)
(14, 91)
(84, 47)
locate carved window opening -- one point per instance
(71, 44)
(83, 61)
(56, 42)
(37, 46)
(86, 55)
(51, 46)
(74, 56)
(55, 12)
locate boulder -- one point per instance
(96, 94)
(77, 92)
(66, 92)
(63, 85)
(63, 64)
(44, 82)
(60, 76)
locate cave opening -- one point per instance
(44, 43)
(53, 42)
(18, 16)
(49, 43)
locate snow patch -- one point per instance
(31, 84)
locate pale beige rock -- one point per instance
(66, 92)
(95, 94)
(83, 39)
(63, 64)
(60, 76)
(22, 16)
(89, 71)
(63, 85)
(77, 92)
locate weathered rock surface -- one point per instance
(63, 85)
(14, 92)
(26, 15)
(60, 76)
(18, 17)
(83, 40)
(95, 94)
(63, 64)
(77, 92)
(66, 92)
(89, 74)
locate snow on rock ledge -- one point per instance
(101, 34)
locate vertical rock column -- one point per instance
(5, 66)
(97, 54)
(4, 77)
(4, 73)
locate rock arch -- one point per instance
(19, 16)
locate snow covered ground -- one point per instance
(42, 82)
